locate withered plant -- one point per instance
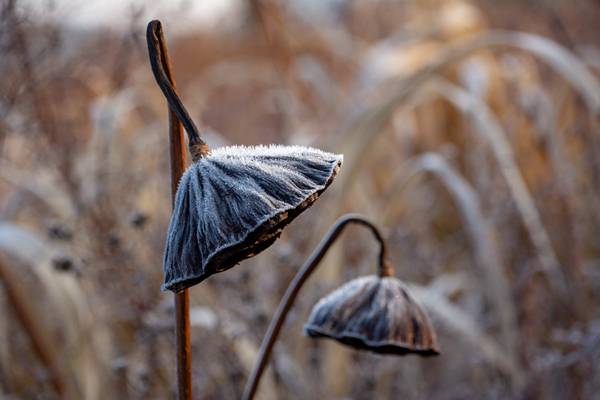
(374, 313)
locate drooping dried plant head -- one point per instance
(374, 313)
(234, 202)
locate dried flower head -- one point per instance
(233, 203)
(374, 313)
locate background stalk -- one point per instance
(31, 326)
(177, 156)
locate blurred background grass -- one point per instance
(476, 149)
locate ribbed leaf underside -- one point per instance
(233, 204)
(376, 314)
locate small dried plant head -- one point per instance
(375, 313)
(232, 202)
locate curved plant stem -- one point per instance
(364, 127)
(33, 329)
(161, 66)
(294, 288)
(481, 234)
(492, 131)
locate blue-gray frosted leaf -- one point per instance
(233, 204)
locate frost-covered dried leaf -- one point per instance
(233, 204)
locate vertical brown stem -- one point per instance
(182, 299)
(184, 352)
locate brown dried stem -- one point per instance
(161, 66)
(296, 284)
(481, 234)
(31, 327)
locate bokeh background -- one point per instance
(471, 135)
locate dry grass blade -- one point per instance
(59, 311)
(368, 124)
(468, 329)
(489, 127)
(561, 59)
(487, 256)
(18, 299)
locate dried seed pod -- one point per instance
(233, 202)
(374, 313)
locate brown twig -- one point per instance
(161, 64)
(159, 58)
(383, 269)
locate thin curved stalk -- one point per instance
(161, 66)
(384, 269)
(32, 327)
(464, 326)
(487, 255)
(59, 306)
(364, 127)
(489, 127)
